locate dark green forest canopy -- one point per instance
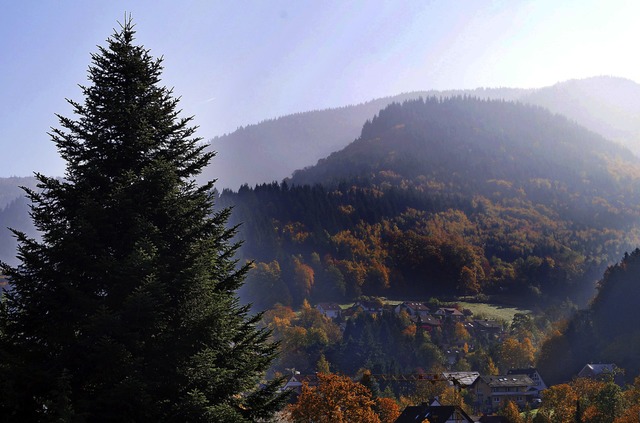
(456, 196)
(126, 309)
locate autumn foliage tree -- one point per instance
(511, 412)
(587, 400)
(387, 409)
(336, 399)
(515, 354)
(558, 404)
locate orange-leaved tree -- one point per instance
(511, 412)
(388, 409)
(336, 399)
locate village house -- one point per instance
(331, 310)
(602, 372)
(538, 384)
(449, 313)
(491, 392)
(461, 380)
(413, 309)
(295, 382)
(370, 307)
(434, 414)
(485, 328)
(429, 323)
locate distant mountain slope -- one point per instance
(273, 149)
(449, 196)
(14, 213)
(468, 142)
(10, 188)
(16, 216)
(607, 105)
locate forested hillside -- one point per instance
(606, 332)
(437, 197)
(273, 149)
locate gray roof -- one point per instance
(507, 380)
(488, 324)
(415, 305)
(329, 306)
(462, 378)
(597, 369)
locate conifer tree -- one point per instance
(126, 310)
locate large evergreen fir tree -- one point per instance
(126, 309)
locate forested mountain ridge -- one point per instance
(607, 105)
(477, 139)
(455, 196)
(272, 149)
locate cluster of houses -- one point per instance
(521, 386)
(419, 313)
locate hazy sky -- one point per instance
(238, 62)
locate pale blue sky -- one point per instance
(240, 62)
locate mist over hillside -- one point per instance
(448, 196)
(607, 105)
(15, 216)
(273, 149)
(10, 188)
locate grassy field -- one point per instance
(479, 310)
(493, 311)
